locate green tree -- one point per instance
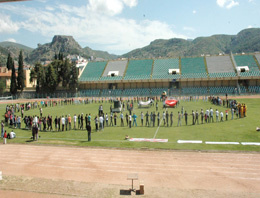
(9, 62)
(13, 87)
(41, 79)
(65, 73)
(73, 83)
(51, 78)
(21, 77)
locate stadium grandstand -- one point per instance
(207, 75)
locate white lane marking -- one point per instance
(224, 143)
(189, 141)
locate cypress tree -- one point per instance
(9, 62)
(13, 87)
(20, 78)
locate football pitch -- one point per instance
(236, 130)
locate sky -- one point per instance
(119, 26)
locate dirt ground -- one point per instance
(56, 171)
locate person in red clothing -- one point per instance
(5, 136)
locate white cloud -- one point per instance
(227, 3)
(111, 33)
(11, 40)
(131, 3)
(109, 7)
(194, 12)
(250, 26)
(7, 25)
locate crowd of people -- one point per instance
(127, 117)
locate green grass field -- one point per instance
(237, 130)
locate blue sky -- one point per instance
(119, 26)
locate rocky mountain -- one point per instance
(247, 40)
(64, 44)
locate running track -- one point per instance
(230, 172)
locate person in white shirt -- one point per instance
(106, 119)
(63, 122)
(221, 116)
(35, 120)
(101, 120)
(130, 121)
(217, 114)
(75, 120)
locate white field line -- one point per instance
(158, 127)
